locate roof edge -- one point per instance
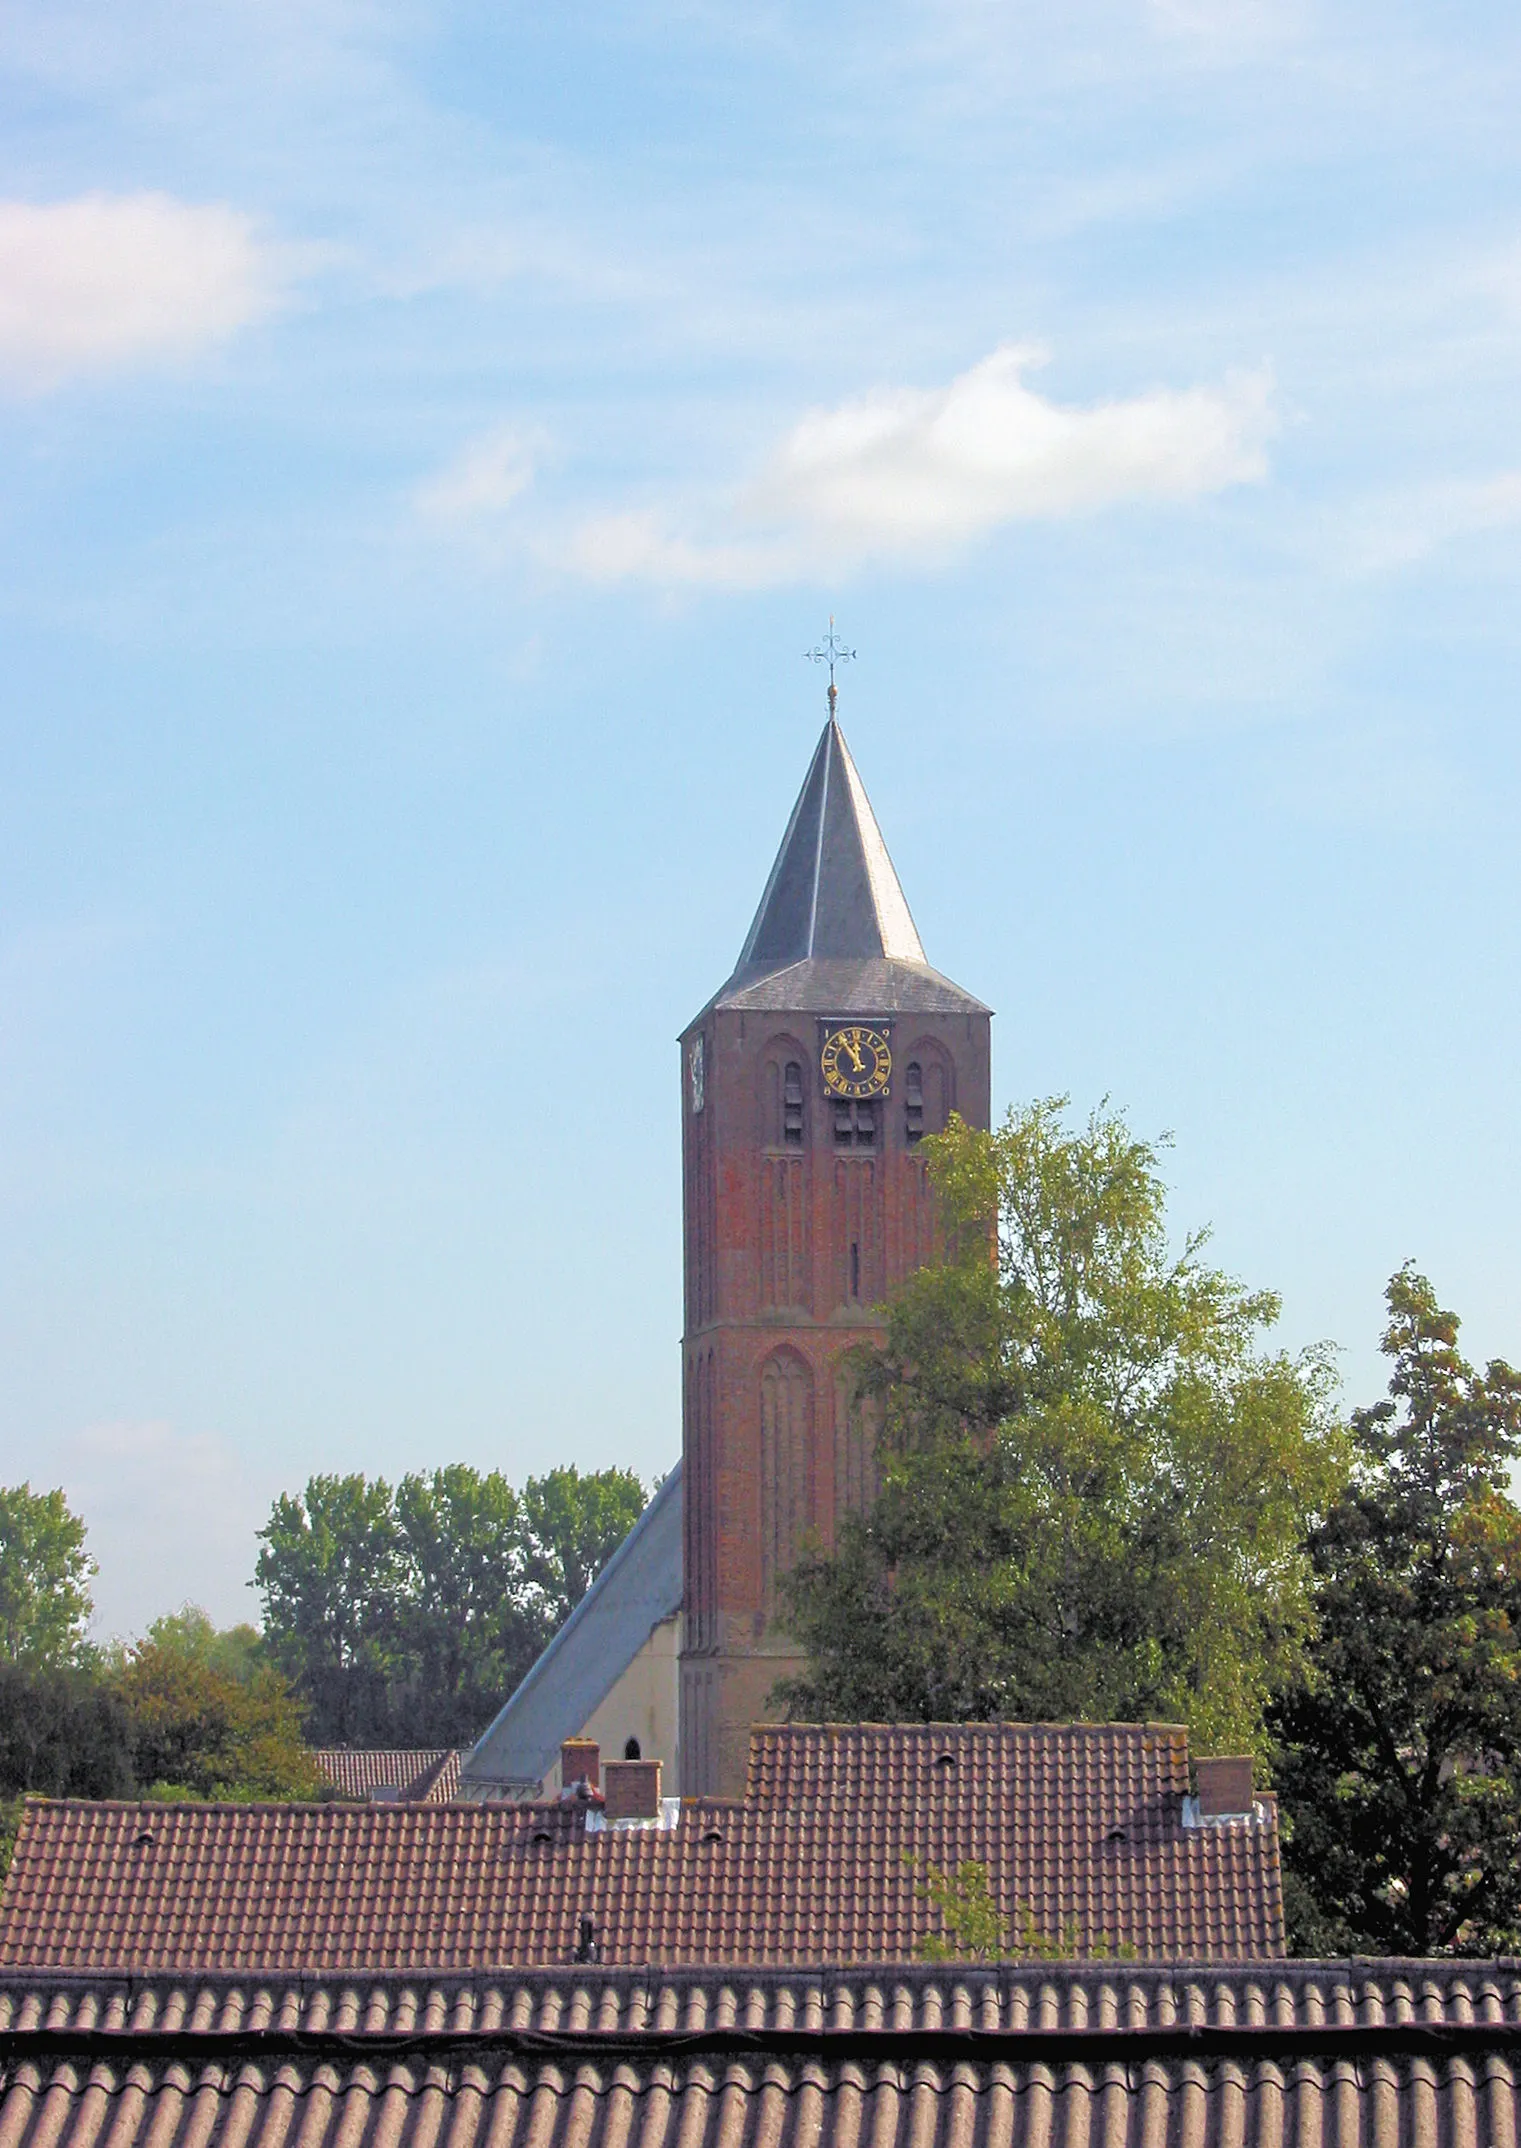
(741, 981)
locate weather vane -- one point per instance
(831, 651)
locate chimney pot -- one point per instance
(1225, 1786)
(578, 1762)
(632, 1790)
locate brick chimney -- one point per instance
(632, 1790)
(578, 1762)
(1225, 1786)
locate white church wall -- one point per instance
(641, 1704)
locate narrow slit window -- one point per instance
(855, 1268)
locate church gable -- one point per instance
(637, 1591)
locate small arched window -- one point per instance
(631, 1749)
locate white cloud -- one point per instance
(116, 280)
(483, 480)
(910, 468)
(911, 474)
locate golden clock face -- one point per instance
(856, 1062)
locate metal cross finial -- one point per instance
(831, 651)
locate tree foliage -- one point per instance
(574, 1524)
(44, 1580)
(1095, 1483)
(973, 1926)
(1400, 1760)
(406, 1617)
(187, 1711)
(63, 1733)
(204, 1727)
(235, 1651)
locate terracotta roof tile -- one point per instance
(418, 1774)
(1078, 1827)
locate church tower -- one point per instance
(808, 1082)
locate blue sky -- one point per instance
(429, 439)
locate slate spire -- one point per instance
(833, 894)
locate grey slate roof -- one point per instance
(638, 1588)
(833, 931)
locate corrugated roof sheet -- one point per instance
(638, 1588)
(1061, 2055)
(1078, 1827)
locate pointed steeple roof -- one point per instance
(832, 891)
(833, 930)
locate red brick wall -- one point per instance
(631, 1789)
(772, 1281)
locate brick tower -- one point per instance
(807, 1083)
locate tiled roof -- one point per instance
(1079, 1829)
(1299, 2055)
(419, 1774)
(1043, 1777)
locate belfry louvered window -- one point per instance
(913, 1101)
(855, 1125)
(792, 1106)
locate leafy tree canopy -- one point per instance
(1095, 1483)
(188, 1711)
(1400, 1761)
(44, 1580)
(63, 1733)
(206, 1722)
(406, 1617)
(574, 1525)
(237, 1652)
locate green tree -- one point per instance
(44, 1579)
(574, 1524)
(237, 1652)
(63, 1733)
(1095, 1484)
(1400, 1757)
(201, 1729)
(332, 1574)
(468, 1631)
(408, 1618)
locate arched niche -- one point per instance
(786, 1447)
(783, 1097)
(928, 1088)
